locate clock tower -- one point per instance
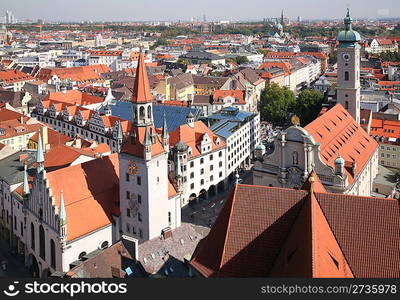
(348, 69)
(149, 204)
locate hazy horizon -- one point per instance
(173, 10)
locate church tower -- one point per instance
(142, 97)
(148, 203)
(348, 69)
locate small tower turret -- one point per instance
(165, 135)
(190, 119)
(147, 145)
(62, 215)
(339, 166)
(40, 155)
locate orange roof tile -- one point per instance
(385, 128)
(192, 137)
(141, 90)
(74, 97)
(11, 76)
(338, 133)
(90, 192)
(237, 94)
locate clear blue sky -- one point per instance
(142, 10)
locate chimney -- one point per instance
(78, 142)
(45, 138)
(21, 119)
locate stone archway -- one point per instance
(221, 187)
(212, 191)
(192, 199)
(203, 195)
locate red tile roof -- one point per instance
(79, 74)
(90, 192)
(385, 128)
(54, 138)
(141, 89)
(192, 137)
(237, 94)
(11, 76)
(298, 233)
(74, 97)
(137, 148)
(338, 133)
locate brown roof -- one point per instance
(286, 232)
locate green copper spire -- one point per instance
(40, 155)
(63, 213)
(348, 20)
(165, 129)
(147, 140)
(26, 184)
(348, 35)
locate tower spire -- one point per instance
(40, 155)
(26, 184)
(165, 134)
(63, 213)
(141, 89)
(147, 140)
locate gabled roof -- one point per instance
(90, 192)
(192, 137)
(286, 232)
(311, 249)
(74, 97)
(338, 133)
(141, 89)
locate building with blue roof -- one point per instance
(175, 115)
(241, 133)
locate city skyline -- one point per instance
(123, 10)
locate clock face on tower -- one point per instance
(346, 56)
(132, 168)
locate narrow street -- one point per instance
(14, 267)
(206, 212)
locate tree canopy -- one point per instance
(279, 103)
(276, 103)
(308, 105)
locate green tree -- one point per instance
(397, 176)
(332, 57)
(276, 103)
(241, 60)
(308, 105)
(160, 42)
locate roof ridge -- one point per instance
(233, 194)
(333, 233)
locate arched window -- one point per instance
(32, 236)
(295, 158)
(104, 245)
(149, 112)
(346, 104)
(141, 113)
(52, 254)
(346, 76)
(42, 243)
(81, 255)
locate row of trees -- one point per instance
(279, 103)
